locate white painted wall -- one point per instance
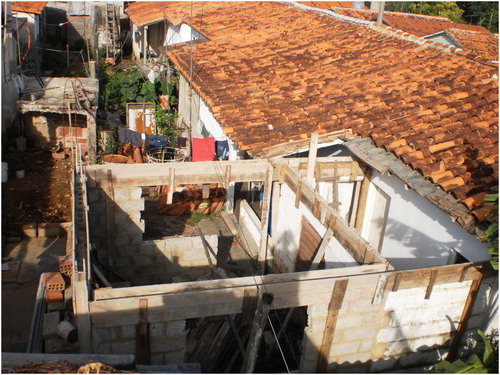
(288, 235)
(419, 234)
(180, 34)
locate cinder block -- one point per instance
(122, 240)
(30, 230)
(156, 329)
(97, 208)
(49, 230)
(176, 328)
(58, 345)
(123, 347)
(94, 195)
(126, 332)
(344, 348)
(131, 206)
(121, 194)
(56, 306)
(176, 357)
(364, 333)
(50, 322)
(162, 344)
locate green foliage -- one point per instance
(448, 9)
(164, 121)
(483, 13)
(196, 217)
(491, 234)
(476, 364)
(112, 139)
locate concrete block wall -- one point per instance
(159, 261)
(403, 330)
(128, 228)
(167, 341)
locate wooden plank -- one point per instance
(397, 281)
(249, 306)
(311, 160)
(81, 311)
(275, 205)
(335, 305)
(363, 195)
(462, 324)
(142, 337)
(110, 219)
(243, 282)
(171, 182)
(322, 249)
(264, 219)
(378, 296)
(298, 193)
(263, 308)
(432, 280)
(227, 176)
(154, 174)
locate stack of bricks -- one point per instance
(54, 286)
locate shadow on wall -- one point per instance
(427, 250)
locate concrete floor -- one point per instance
(28, 259)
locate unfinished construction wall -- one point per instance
(166, 341)
(116, 229)
(288, 233)
(379, 329)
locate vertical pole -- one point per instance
(264, 219)
(67, 55)
(311, 159)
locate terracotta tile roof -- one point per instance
(416, 24)
(35, 7)
(303, 71)
(480, 43)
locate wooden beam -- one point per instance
(275, 206)
(155, 174)
(298, 193)
(110, 218)
(259, 323)
(81, 310)
(311, 160)
(335, 305)
(264, 219)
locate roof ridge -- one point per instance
(430, 43)
(396, 13)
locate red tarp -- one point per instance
(203, 149)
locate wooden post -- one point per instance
(275, 204)
(258, 325)
(311, 160)
(363, 194)
(432, 280)
(142, 338)
(335, 305)
(110, 219)
(264, 220)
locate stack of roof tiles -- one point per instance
(274, 73)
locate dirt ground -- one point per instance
(43, 195)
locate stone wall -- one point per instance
(167, 341)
